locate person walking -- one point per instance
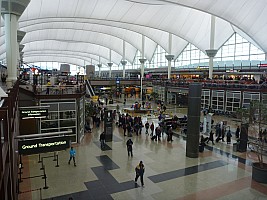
(211, 138)
(72, 156)
(102, 140)
(129, 145)
(139, 171)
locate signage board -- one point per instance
(108, 128)
(43, 145)
(33, 113)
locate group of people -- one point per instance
(135, 125)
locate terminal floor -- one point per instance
(218, 173)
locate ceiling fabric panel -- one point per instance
(83, 47)
(79, 36)
(104, 24)
(62, 59)
(86, 56)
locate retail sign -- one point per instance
(33, 113)
(43, 145)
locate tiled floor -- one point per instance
(218, 173)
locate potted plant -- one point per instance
(256, 117)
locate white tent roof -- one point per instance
(81, 30)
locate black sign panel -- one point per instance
(43, 145)
(33, 113)
(108, 128)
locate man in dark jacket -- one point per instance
(129, 145)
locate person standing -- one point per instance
(170, 133)
(72, 155)
(139, 171)
(102, 140)
(48, 87)
(152, 128)
(228, 137)
(147, 127)
(237, 132)
(124, 126)
(129, 145)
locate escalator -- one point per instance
(89, 89)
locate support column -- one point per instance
(11, 14)
(142, 61)
(99, 71)
(110, 65)
(211, 52)
(123, 62)
(170, 56)
(194, 107)
(11, 25)
(20, 36)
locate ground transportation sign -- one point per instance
(33, 113)
(43, 145)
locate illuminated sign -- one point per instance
(43, 145)
(33, 113)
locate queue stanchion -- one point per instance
(20, 173)
(20, 161)
(42, 164)
(55, 156)
(39, 158)
(57, 162)
(45, 177)
(40, 193)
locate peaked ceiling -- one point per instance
(79, 31)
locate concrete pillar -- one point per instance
(11, 10)
(99, 71)
(169, 58)
(193, 122)
(110, 65)
(20, 36)
(11, 26)
(211, 52)
(142, 68)
(123, 62)
(142, 61)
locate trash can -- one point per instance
(235, 147)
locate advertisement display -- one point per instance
(43, 145)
